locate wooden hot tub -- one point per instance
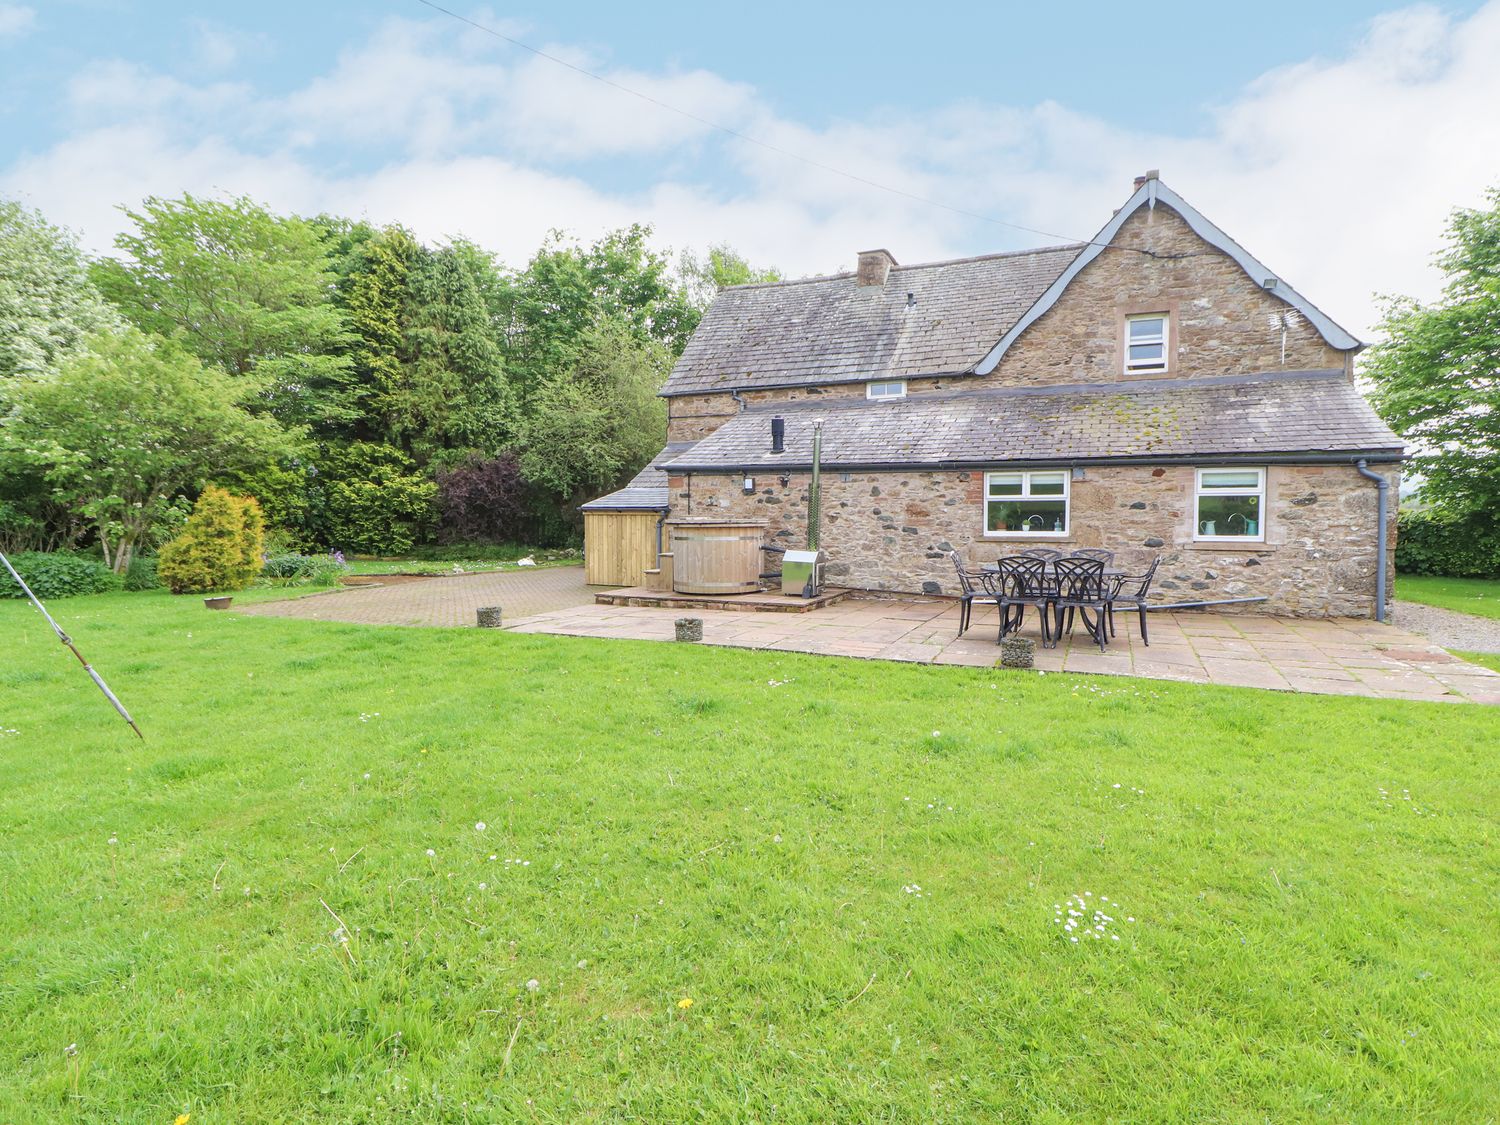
(715, 556)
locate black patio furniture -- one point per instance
(1131, 590)
(1046, 554)
(1019, 581)
(1081, 588)
(972, 584)
(1104, 556)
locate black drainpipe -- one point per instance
(1382, 487)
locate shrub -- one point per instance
(57, 575)
(219, 548)
(304, 570)
(141, 574)
(1466, 546)
(483, 501)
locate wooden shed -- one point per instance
(619, 546)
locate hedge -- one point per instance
(57, 575)
(1452, 547)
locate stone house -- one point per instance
(1156, 391)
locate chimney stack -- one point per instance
(874, 267)
(778, 435)
(1153, 174)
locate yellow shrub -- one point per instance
(219, 548)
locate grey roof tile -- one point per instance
(828, 329)
(1271, 414)
(647, 490)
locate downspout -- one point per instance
(1382, 488)
(734, 394)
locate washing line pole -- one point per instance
(67, 640)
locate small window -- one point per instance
(1146, 342)
(886, 389)
(1230, 505)
(1026, 503)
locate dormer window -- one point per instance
(1146, 336)
(886, 389)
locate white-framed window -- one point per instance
(1229, 505)
(1026, 503)
(886, 389)
(1146, 336)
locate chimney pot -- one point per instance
(874, 267)
(778, 435)
(1140, 182)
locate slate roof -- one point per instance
(1267, 417)
(647, 490)
(830, 330)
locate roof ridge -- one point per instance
(913, 266)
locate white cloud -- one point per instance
(1339, 172)
(16, 20)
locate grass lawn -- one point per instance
(1479, 596)
(1487, 659)
(470, 559)
(539, 849)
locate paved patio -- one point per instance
(449, 600)
(1336, 656)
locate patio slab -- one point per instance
(1326, 656)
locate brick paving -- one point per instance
(1327, 656)
(450, 600)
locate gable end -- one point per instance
(1147, 195)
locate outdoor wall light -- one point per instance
(749, 484)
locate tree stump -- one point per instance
(1017, 652)
(489, 617)
(690, 628)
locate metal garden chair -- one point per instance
(972, 585)
(1081, 589)
(1019, 582)
(1106, 557)
(1132, 589)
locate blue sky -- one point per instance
(1331, 138)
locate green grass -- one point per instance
(472, 559)
(1487, 659)
(733, 827)
(1479, 596)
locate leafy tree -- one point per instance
(48, 305)
(567, 291)
(243, 289)
(451, 392)
(599, 420)
(219, 548)
(721, 267)
(123, 430)
(1437, 375)
(374, 293)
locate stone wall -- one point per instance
(892, 531)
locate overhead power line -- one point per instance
(769, 147)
